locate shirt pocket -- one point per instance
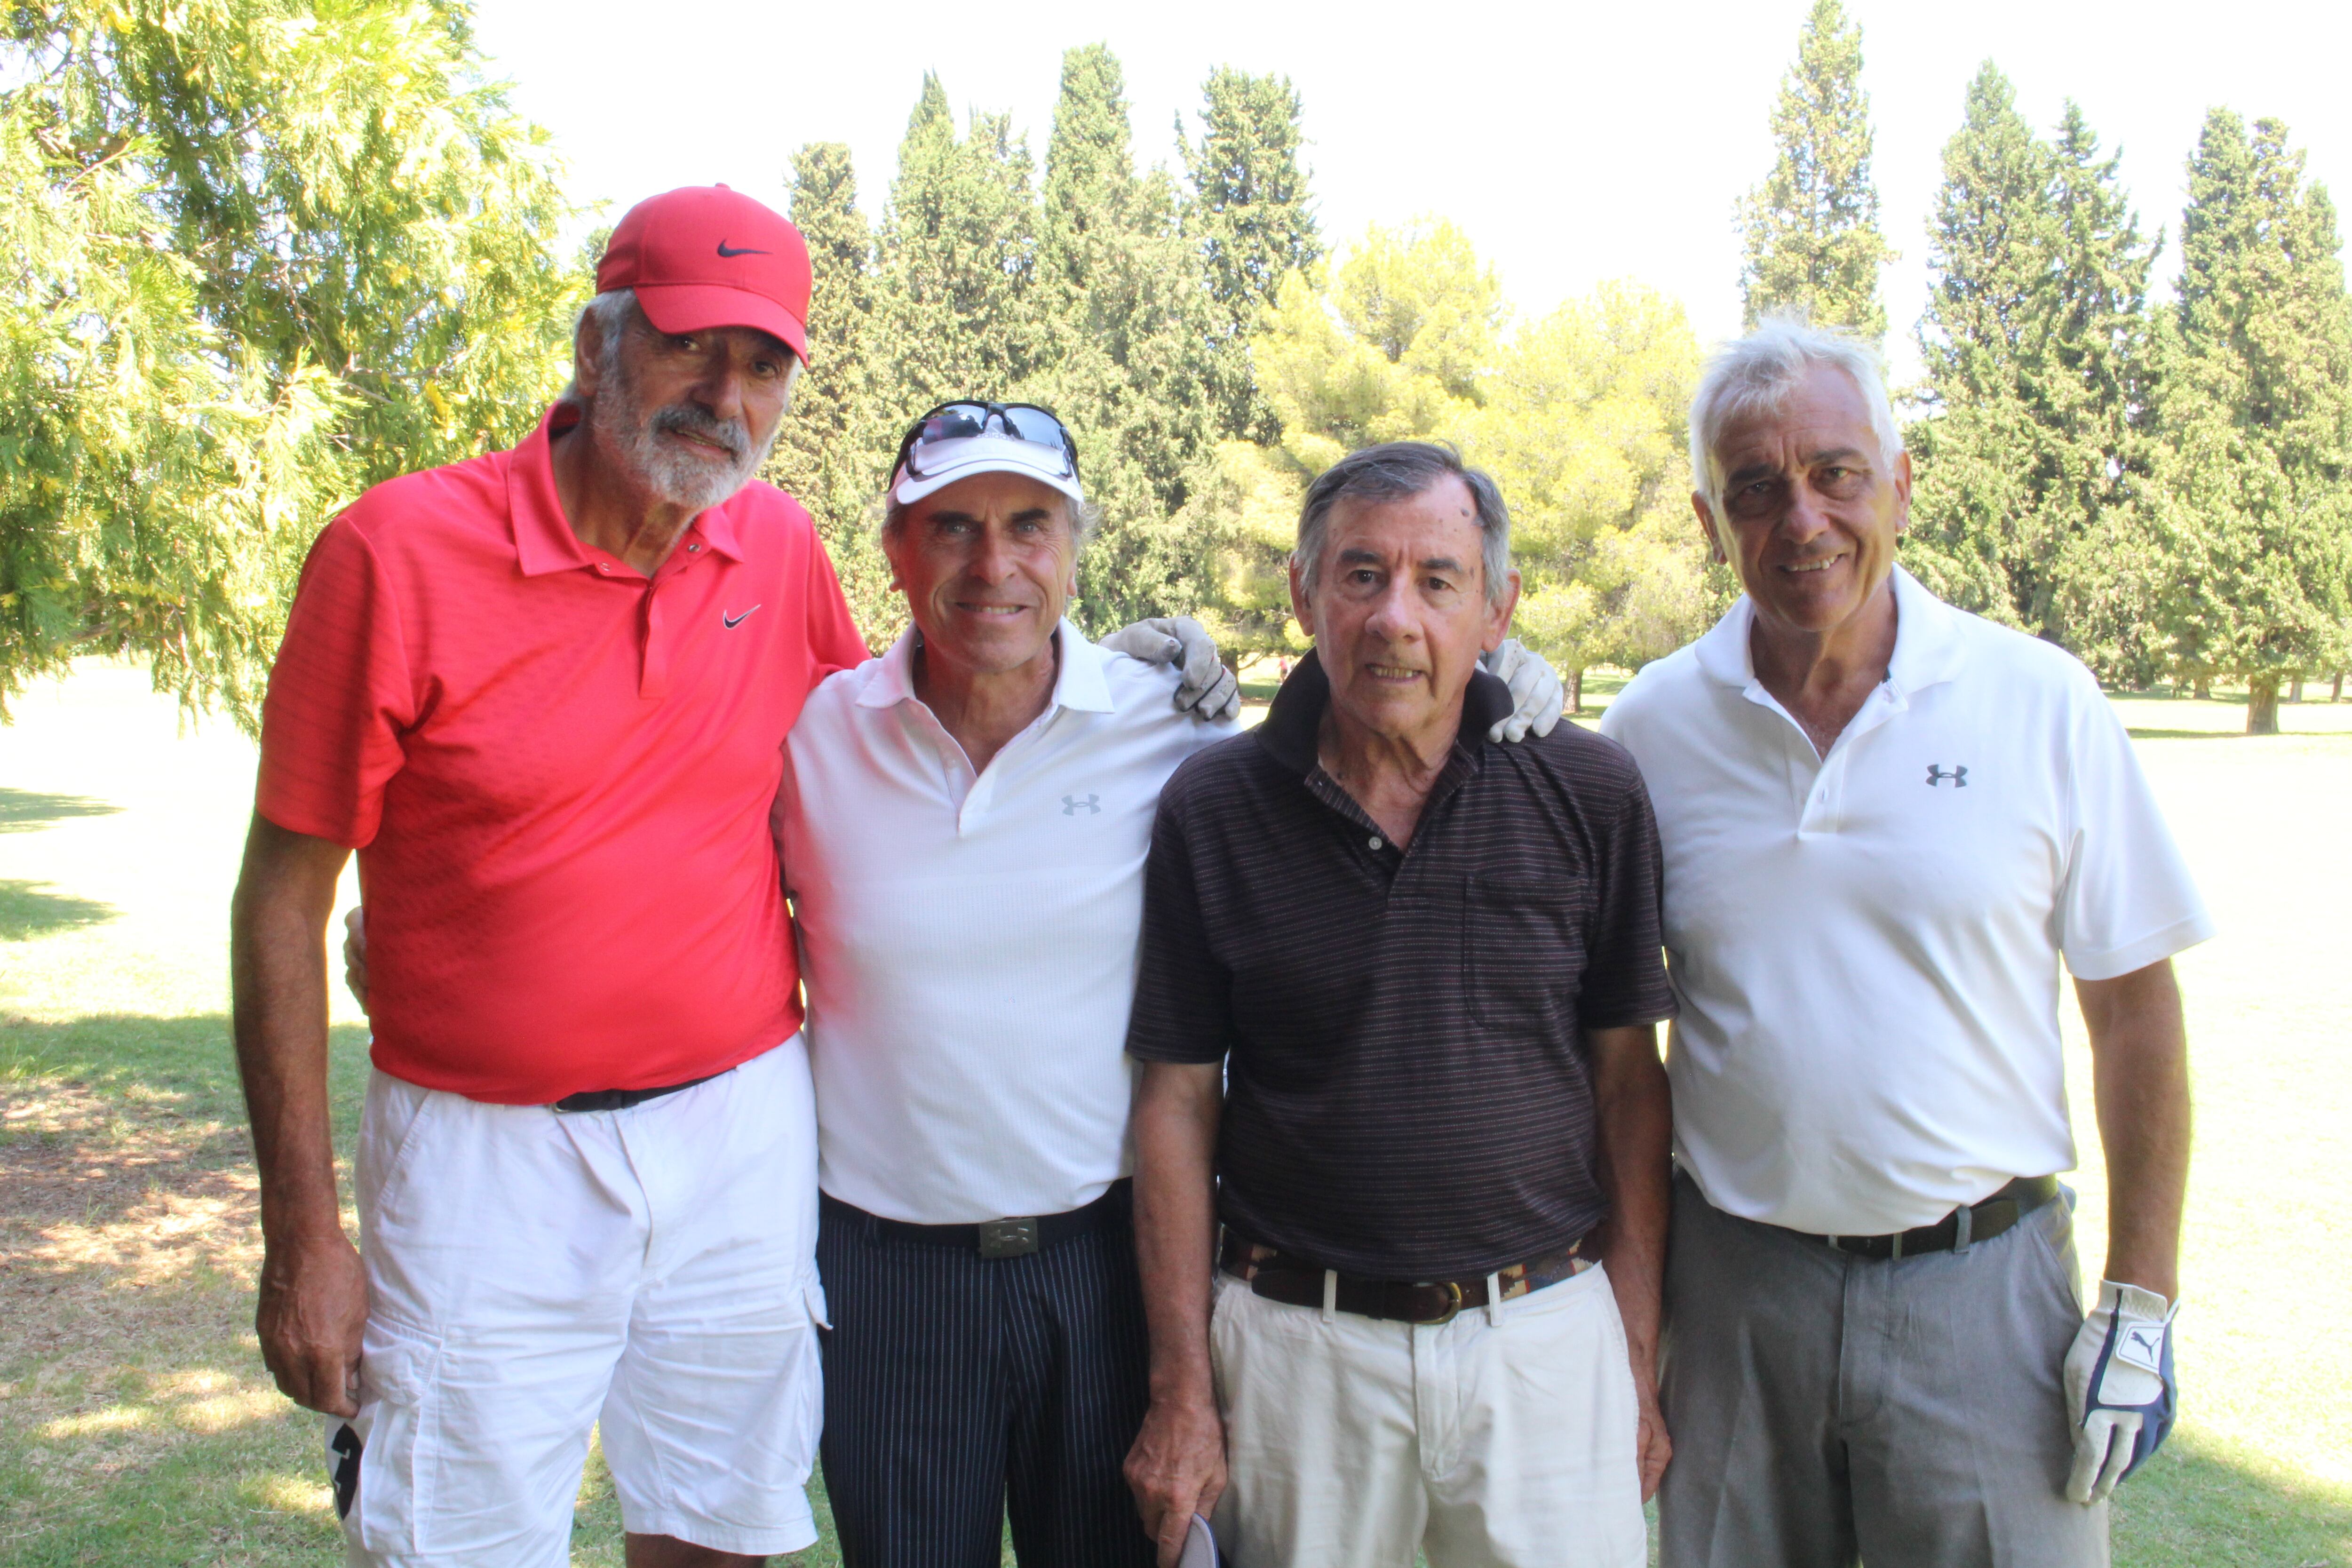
(1524, 951)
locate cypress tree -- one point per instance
(2028, 459)
(1122, 312)
(2254, 404)
(830, 453)
(1810, 230)
(1249, 217)
(957, 253)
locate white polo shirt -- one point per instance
(969, 941)
(1865, 946)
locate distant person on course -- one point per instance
(1885, 824)
(1396, 1012)
(545, 695)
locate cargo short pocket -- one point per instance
(399, 1365)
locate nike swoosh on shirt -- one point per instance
(734, 621)
(725, 249)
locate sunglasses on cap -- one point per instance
(960, 421)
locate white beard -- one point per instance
(635, 439)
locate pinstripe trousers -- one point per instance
(959, 1389)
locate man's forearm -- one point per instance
(1175, 1226)
(2139, 1082)
(278, 966)
(1636, 1129)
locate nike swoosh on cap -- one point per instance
(725, 250)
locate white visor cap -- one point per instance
(948, 461)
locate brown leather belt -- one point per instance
(1956, 1231)
(1282, 1276)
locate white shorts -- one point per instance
(1504, 1439)
(532, 1274)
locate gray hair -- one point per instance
(615, 311)
(1396, 470)
(1756, 373)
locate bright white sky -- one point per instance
(1572, 142)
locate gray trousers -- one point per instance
(1827, 1409)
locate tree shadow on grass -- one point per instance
(27, 811)
(27, 913)
(2185, 734)
(183, 1068)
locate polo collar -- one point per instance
(1926, 640)
(1290, 731)
(1079, 684)
(544, 542)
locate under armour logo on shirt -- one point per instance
(1958, 773)
(1072, 805)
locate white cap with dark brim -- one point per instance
(966, 455)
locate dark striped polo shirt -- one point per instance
(1407, 1094)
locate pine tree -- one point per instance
(1810, 230)
(1248, 213)
(2029, 457)
(2255, 405)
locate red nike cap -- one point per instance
(707, 257)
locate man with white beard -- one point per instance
(544, 695)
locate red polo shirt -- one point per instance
(557, 772)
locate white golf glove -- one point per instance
(1204, 686)
(2119, 1387)
(1536, 694)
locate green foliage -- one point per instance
(265, 252)
(1578, 416)
(1126, 320)
(2254, 406)
(1250, 218)
(1811, 231)
(2033, 457)
(832, 446)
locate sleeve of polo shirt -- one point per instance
(1625, 975)
(1183, 996)
(834, 641)
(2128, 899)
(339, 696)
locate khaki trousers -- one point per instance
(1502, 1439)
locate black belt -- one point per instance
(1960, 1229)
(1299, 1282)
(1015, 1237)
(622, 1099)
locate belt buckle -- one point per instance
(1453, 1289)
(1008, 1237)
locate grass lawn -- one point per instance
(137, 1426)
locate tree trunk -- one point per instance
(2338, 695)
(2294, 689)
(1576, 691)
(2262, 705)
(2203, 689)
